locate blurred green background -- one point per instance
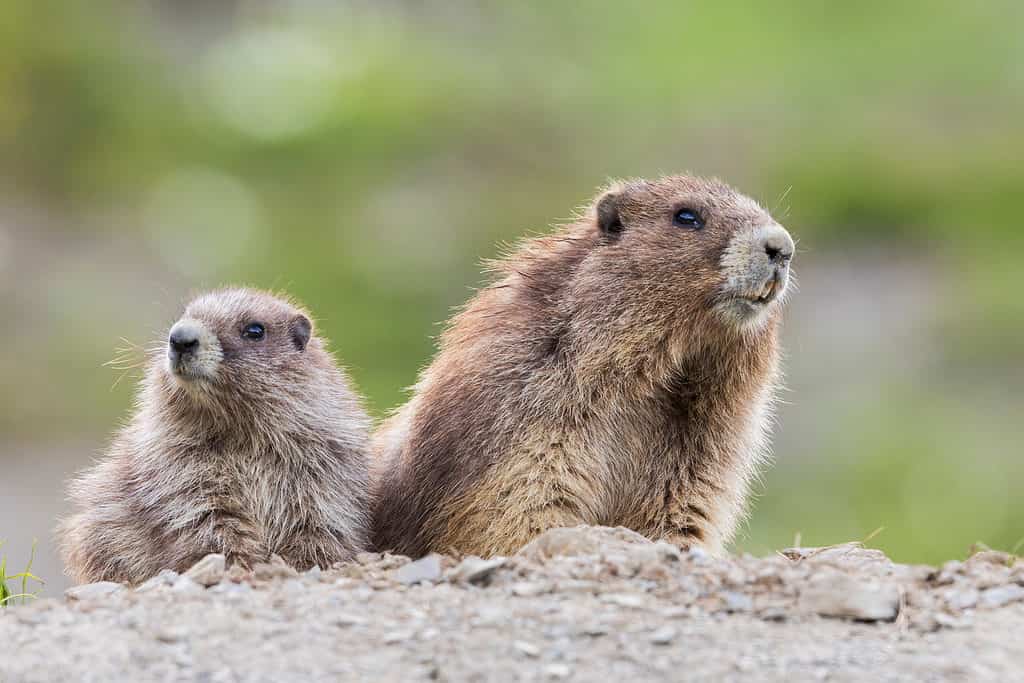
(366, 156)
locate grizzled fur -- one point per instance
(266, 454)
(617, 372)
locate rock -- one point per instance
(170, 634)
(209, 570)
(557, 671)
(368, 558)
(664, 635)
(529, 589)
(659, 551)
(426, 569)
(948, 572)
(962, 598)
(774, 613)
(236, 573)
(528, 649)
(655, 561)
(165, 578)
(388, 562)
(698, 555)
(849, 556)
(490, 615)
(186, 585)
(1001, 595)
(577, 586)
(580, 541)
(737, 602)
(33, 614)
(630, 600)
(230, 588)
(948, 621)
(797, 553)
(594, 630)
(396, 637)
(93, 591)
(277, 568)
(347, 620)
(837, 595)
(475, 570)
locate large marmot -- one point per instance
(619, 371)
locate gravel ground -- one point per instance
(576, 604)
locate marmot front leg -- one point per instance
(516, 505)
(500, 530)
(686, 520)
(105, 548)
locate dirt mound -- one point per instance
(581, 604)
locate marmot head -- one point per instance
(695, 245)
(239, 342)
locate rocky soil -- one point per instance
(576, 604)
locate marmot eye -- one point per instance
(688, 218)
(254, 331)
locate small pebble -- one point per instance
(165, 578)
(475, 570)
(93, 591)
(209, 570)
(424, 570)
(964, 598)
(184, 585)
(625, 600)
(347, 620)
(840, 595)
(664, 635)
(737, 602)
(529, 589)
(1003, 595)
(528, 649)
(557, 671)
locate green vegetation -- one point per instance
(366, 157)
(6, 596)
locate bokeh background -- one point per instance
(366, 156)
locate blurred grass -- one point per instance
(937, 475)
(365, 157)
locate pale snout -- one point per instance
(776, 244)
(183, 339)
(756, 268)
(193, 351)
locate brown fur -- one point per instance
(269, 456)
(608, 376)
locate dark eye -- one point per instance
(688, 218)
(254, 331)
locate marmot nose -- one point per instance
(184, 338)
(777, 244)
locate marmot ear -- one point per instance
(609, 222)
(301, 330)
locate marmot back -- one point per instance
(246, 440)
(618, 371)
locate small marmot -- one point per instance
(246, 440)
(618, 372)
